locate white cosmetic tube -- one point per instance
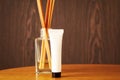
(56, 36)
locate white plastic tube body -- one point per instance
(56, 36)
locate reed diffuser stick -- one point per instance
(39, 4)
(46, 19)
(51, 13)
(42, 61)
(46, 24)
(48, 52)
(47, 12)
(47, 44)
(43, 54)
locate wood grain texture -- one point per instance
(69, 72)
(19, 27)
(92, 29)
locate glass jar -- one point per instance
(42, 53)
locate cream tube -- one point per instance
(56, 36)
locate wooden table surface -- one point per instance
(69, 72)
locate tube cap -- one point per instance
(56, 74)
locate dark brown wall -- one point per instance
(92, 31)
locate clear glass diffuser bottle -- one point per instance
(42, 53)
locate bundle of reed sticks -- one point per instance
(46, 24)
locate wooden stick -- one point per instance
(39, 4)
(41, 55)
(48, 10)
(51, 13)
(47, 13)
(45, 24)
(48, 52)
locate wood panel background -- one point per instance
(92, 31)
